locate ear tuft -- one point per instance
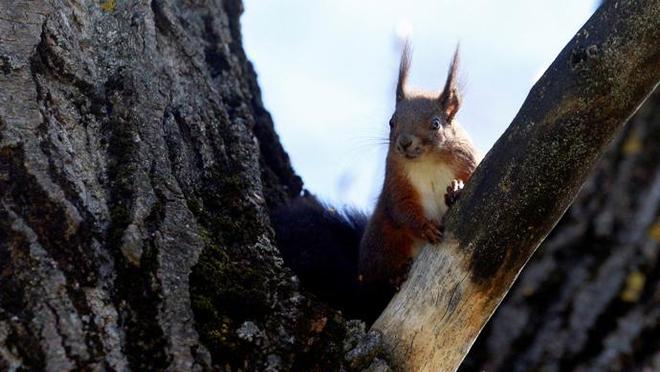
(404, 67)
(450, 98)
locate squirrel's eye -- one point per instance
(436, 123)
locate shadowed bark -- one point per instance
(590, 298)
(136, 166)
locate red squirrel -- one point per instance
(428, 159)
(355, 262)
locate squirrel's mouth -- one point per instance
(411, 151)
(412, 154)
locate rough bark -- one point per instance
(523, 186)
(136, 166)
(589, 300)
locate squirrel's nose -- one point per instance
(405, 142)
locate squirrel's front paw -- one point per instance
(432, 231)
(453, 192)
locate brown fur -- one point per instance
(399, 224)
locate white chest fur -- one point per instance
(431, 179)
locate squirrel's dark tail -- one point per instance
(320, 244)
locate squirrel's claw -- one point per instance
(453, 192)
(432, 232)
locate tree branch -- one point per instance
(524, 185)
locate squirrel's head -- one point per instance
(423, 122)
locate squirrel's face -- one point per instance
(419, 126)
(423, 122)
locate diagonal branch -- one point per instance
(524, 185)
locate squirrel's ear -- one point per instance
(450, 98)
(404, 66)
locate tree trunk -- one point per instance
(590, 298)
(137, 164)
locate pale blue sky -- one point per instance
(327, 70)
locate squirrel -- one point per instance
(429, 158)
(357, 263)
